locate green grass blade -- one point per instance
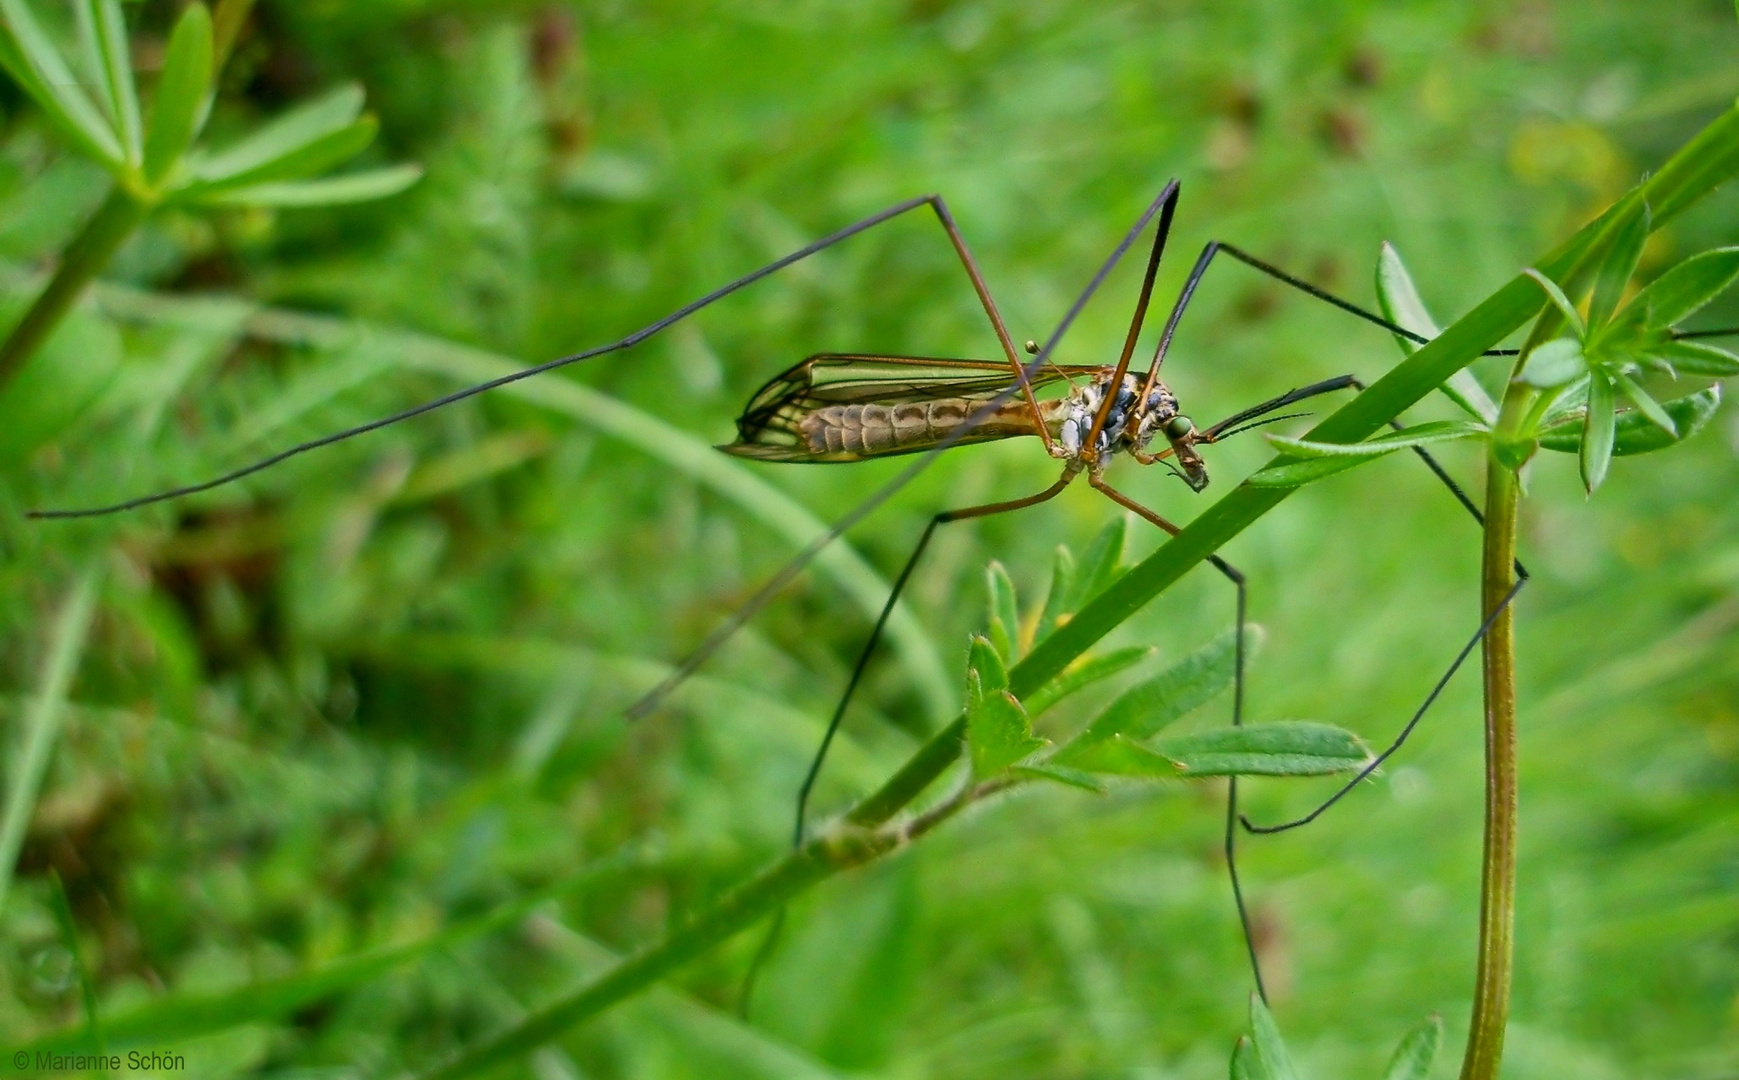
(42, 720)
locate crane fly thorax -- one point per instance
(1130, 424)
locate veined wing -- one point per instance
(848, 407)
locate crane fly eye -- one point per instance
(1178, 427)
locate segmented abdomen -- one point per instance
(871, 430)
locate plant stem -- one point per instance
(85, 258)
(1497, 895)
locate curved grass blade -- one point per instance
(42, 721)
(1401, 304)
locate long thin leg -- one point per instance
(1472, 508)
(797, 562)
(1090, 439)
(765, 951)
(935, 202)
(1206, 258)
(1231, 843)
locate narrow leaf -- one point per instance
(364, 186)
(1296, 748)
(265, 154)
(1004, 616)
(1061, 774)
(1427, 434)
(1685, 288)
(1062, 592)
(1597, 432)
(1246, 1063)
(1175, 692)
(1118, 756)
(1418, 1050)
(1401, 304)
(1619, 265)
(103, 21)
(1699, 358)
(1298, 473)
(1647, 405)
(1099, 563)
(1562, 302)
(1085, 674)
(1555, 363)
(1634, 433)
(1269, 1045)
(180, 93)
(37, 64)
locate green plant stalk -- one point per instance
(1711, 157)
(86, 257)
(1497, 892)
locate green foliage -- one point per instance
(1263, 1055)
(376, 692)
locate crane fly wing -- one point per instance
(790, 418)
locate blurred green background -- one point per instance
(378, 691)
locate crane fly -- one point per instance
(838, 407)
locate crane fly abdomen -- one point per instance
(851, 432)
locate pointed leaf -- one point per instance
(37, 65)
(1436, 431)
(1418, 1050)
(986, 662)
(1175, 692)
(1269, 1045)
(1647, 405)
(1556, 295)
(1057, 601)
(1699, 358)
(1246, 1063)
(1401, 304)
(1597, 432)
(1685, 288)
(1004, 612)
(279, 150)
(1298, 473)
(1555, 363)
(996, 726)
(1085, 674)
(180, 93)
(354, 187)
(1100, 562)
(1619, 265)
(1060, 774)
(102, 23)
(1119, 756)
(1293, 748)
(1634, 433)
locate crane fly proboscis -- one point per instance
(855, 407)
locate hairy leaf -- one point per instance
(1004, 615)
(1699, 358)
(1296, 748)
(1175, 692)
(1560, 301)
(1619, 265)
(1646, 404)
(1555, 363)
(1597, 432)
(1685, 288)
(1401, 304)
(1089, 671)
